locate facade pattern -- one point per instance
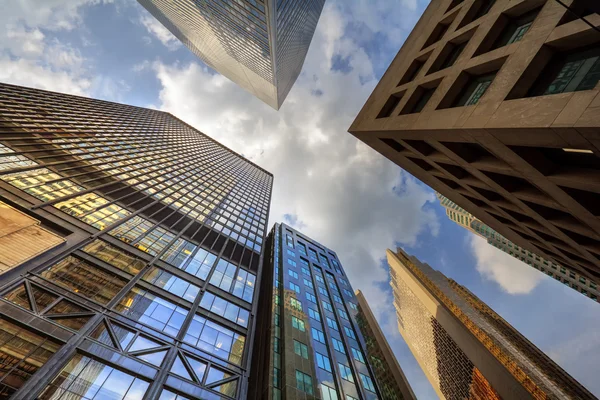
(313, 347)
(416, 284)
(258, 44)
(148, 290)
(496, 105)
(571, 278)
(387, 371)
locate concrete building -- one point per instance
(308, 344)
(496, 105)
(465, 349)
(258, 44)
(130, 248)
(388, 373)
(571, 278)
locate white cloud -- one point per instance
(156, 29)
(513, 275)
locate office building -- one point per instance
(571, 278)
(258, 44)
(387, 371)
(465, 349)
(134, 244)
(307, 334)
(495, 105)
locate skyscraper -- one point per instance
(135, 244)
(571, 278)
(465, 349)
(258, 44)
(388, 373)
(495, 105)
(308, 344)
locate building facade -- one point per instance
(572, 279)
(465, 349)
(388, 373)
(307, 332)
(258, 44)
(130, 248)
(496, 105)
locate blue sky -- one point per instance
(327, 184)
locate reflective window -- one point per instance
(314, 314)
(223, 275)
(346, 372)
(357, 354)
(295, 287)
(317, 335)
(329, 393)
(337, 345)
(296, 304)
(86, 378)
(215, 339)
(311, 297)
(168, 395)
(300, 349)
(323, 362)
(308, 283)
(302, 248)
(85, 279)
(342, 313)
(292, 273)
(178, 253)
(332, 324)
(201, 264)
(304, 382)
(298, 324)
(225, 309)
(152, 310)
(349, 332)
(171, 283)
(367, 383)
(244, 285)
(327, 306)
(22, 353)
(115, 256)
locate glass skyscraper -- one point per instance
(308, 343)
(130, 248)
(465, 349)
(258, 44)
(569, 277)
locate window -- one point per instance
(291, 253)
(304, 382)
(332, 324)
(295, 287)
(343, 314)
(348, 397)
(22, 353)
(323, 291)
(296, 304)
(453, 53)
(349, 332)
(302, 248)
(291, 262)
(200, 265)
(328, 393)
(367, 383)
(418, 100)
(300, 349)
(319, 278)
(569, 73)
(314, 314)
(305, 271)
(308, 283)
(83, 375)
(298, 324)
(317, 335)
(353, 306)
(292, 273)
(346, 372)
(338, 346)
(225, 309)
(344, 282)
(323, 362)
(357, 354)
(327, 306)
(289, 241)
(337, 299)
(347, 292)
(311, 297)
(215, 339)
(475, 89)
(313, 255)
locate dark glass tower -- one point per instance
(307, 336)
(130, 247)
(258, 44)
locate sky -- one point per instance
(326, 183)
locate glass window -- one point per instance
(85, 279)
(367, 383)
(323, 362)
(317, 335)
(215, 339)
(152, 310)
(289, 241)
(346, 372)
(223, 275)
(244, 285)
(115, 256)
(349, 332)
(323, 291)
(338, 345)
(291, 262)
(292, 273)
(343, 314)
(300, 349)
(574, 72)
(224, 308)
(201, 264)
(329, 393)
(295, 287)
(327, 306)
(311, 297)
(304, 382)
(357, 354)
(353, 306)
(86, 378)
(296, 304)
(308, 283)
(314, 314)
(298, 324)
(475, 90)
(332, 324)
(22, 353)
(305, 271)
(313, 255)
(171, 283)
(337, 299)
(179, 253)
(302, 248)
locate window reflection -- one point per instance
(225, 309)
(85, 378)
(215, 339)
(171, 283)
(115, 256)
(201, 264)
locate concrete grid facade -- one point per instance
(137, 245)
(571, 278)
(496, 105)
(465, 349)
(258, 44)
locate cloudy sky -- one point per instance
(327, 184)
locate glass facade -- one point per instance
(313, 344)
(152, 293)
(258, 44)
